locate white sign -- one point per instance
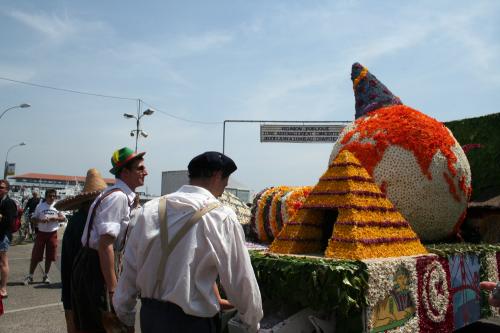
(300, 133)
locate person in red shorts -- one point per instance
(47, 218)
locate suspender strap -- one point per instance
(166, 246)
(91, 221)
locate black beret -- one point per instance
(211, 161)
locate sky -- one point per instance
(198, 63)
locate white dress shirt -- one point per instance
(215, 246)
(112, 216)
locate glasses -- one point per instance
(3, 187)
(52, 196)
(141, 168)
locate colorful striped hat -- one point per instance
(122, 157)
(369, 92)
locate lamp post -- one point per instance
(137, 118)
(7, 158)
(22, 106)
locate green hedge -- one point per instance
(311, 282)
(484, 162)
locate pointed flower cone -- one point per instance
(369, 92)
(367, 225)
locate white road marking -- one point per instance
(34, 307)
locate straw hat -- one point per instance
(94, 184)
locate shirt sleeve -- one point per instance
(111, 211)
(124, 298)
(235, 270)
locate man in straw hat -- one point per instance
(173, 263)
(94, 277)
(71, 243)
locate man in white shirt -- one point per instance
(185, 300)
(105, 230)
(47, 218)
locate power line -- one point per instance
(108, 96)
(183, 119)
(66, 90)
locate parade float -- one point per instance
(369, 245)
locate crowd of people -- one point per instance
(173, 253)
(177, 253)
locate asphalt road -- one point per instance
(37, 308)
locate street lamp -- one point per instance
(7, 158)
(138, 130)
(22, 106)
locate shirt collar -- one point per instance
(196, 189)
(124, 187)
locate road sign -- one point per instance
(300, 133)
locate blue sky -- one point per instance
(208, 61)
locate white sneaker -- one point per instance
(46, 279)
(28, 280)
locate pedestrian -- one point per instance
(47, 217)
(71, 243)
(94, 276)
(8, 213)
(29, 210)
(181, 243)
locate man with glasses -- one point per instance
(94, 276)
(8, 212)
(47, 218)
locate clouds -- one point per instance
(55, 27)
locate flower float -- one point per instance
(272, 208)
(412, 157)
(367, 224)
(239, 207)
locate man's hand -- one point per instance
(490, 286)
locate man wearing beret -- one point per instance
(182, 242)
(94, 279)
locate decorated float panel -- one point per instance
(352, 244)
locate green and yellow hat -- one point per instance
(122, 157)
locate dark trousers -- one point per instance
(157, 316)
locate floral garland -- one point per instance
(272, 208)
(293, 201)
(261, 214)
(254, 231)
(275, 220)
(416, 161)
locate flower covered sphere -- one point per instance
(413, 158)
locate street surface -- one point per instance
(37, 308)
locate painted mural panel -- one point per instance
(398, 307)
(466, 297)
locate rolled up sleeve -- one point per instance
(236, 273)
(112, 210)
